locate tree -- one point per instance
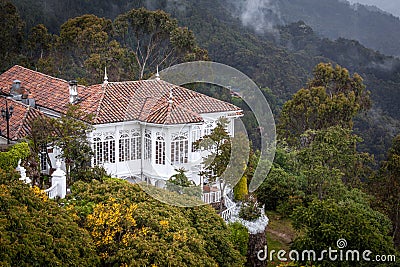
(329, 157)
(181, 184)
(11, 35)
(386, 188)
(323, 223)
(281, 188)
(331, 98)
(70, 134)
(223, 166)
(39, 42)
(156, 39)
(86, 46)
(9, 159)
(131, 228)
(240, 190)
(37, 232)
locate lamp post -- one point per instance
(6, 114)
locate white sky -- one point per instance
(391, 6)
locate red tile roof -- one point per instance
(49, 92)
(20, 120)
(145, 100)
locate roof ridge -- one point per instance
(43, 74)
(14, 100)
(116, 82)
(168, 117)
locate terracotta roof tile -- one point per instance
(145, 100)
(49, 92)
(20, 120)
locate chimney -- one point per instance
(31, 100)
(16, 90)
(73, 91)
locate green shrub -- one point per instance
(240, 190)
(131, 228)
(250, 210)
(239, 237)
(35, 231)
(90, 173)
(9, 159)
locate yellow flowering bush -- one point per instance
(112, 223)
(39, 193)
(129, 228)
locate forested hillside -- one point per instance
(280, 58)
(370, 26)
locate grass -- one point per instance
(280, 234)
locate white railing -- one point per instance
(228, 202)
(211, 197)
(230, 206)
(52, 192)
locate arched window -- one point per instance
(209, 127)
(104, 150)
(179, 149)
(124, 148)
(196, 135)
(43, 158)
(109, 149)
(136, 146)
(147, 144)
(160, 150)
(98, 151)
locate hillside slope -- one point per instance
(281, 58)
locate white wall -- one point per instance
(149, 168)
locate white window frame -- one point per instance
(196, 135)
(160, 150)
(104, 150)
(124, 148)
(136, 145)
(147, 145)
(43, 158)
(180, 149)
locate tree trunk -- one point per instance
(257, 242)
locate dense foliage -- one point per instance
(9, 159)
(331, 98)
(181, 184)
(130, 227)
(69, 133)
(281, 58)
(388, 182)
(318, 174)
(325, 222)
(240, 190)
(35, 231)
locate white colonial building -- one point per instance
(143, 130)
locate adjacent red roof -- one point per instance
(145, 100)
(20, 120)
(49, 92)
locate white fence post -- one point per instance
(59, 178)
(22, 171)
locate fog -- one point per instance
(391, 6)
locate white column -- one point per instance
(60, 178)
